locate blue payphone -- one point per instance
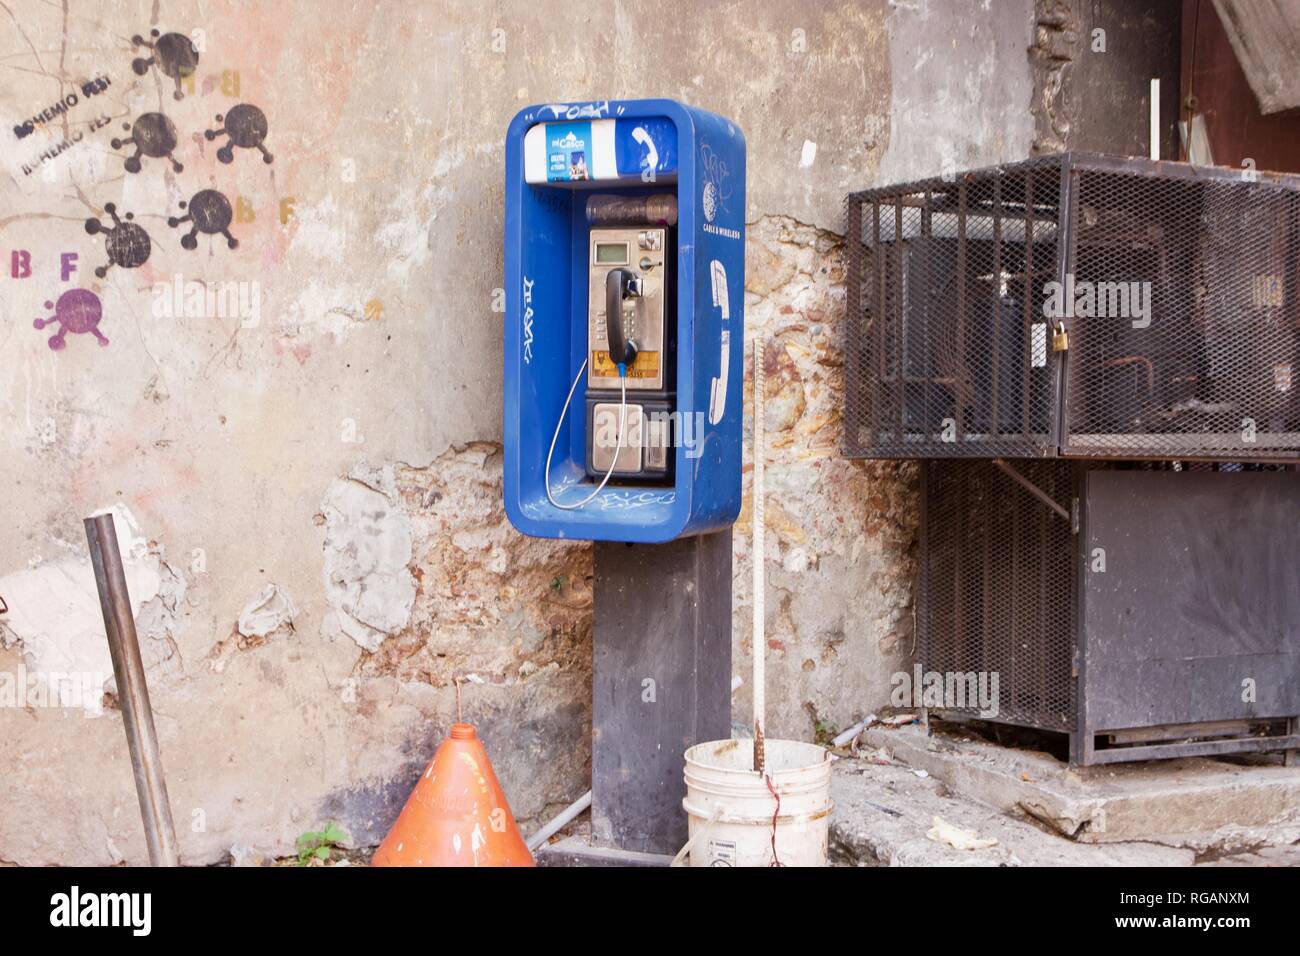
(624, 332)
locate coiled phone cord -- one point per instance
(622, 422)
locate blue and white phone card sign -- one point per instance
(568, 152)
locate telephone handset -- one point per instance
(620, 284)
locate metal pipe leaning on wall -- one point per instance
(132, 691)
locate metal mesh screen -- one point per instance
(1186, 337)
(948, 353)
(1179, 287)
(996, 586)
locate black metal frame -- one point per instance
(892, 234)
(993, 591)
(947, 321)
(970, 636)
(886, 276)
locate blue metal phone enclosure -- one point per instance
(651, 146)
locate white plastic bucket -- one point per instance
(730, 808)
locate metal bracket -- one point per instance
(1032, 488)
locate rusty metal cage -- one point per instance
(995, 593)
(1076, 305)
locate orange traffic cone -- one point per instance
(457, 814)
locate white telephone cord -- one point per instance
(622, 422)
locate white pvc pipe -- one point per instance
(757, 555)
(853, 731)
(559, 823)
(1155, 117)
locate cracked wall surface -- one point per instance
(300, 433)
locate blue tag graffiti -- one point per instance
(715, 193)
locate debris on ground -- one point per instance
(242, 855)
(879, 756)
(1188, 812)
(899, 720)
(851, 735)
(882, 815)
(958, 837)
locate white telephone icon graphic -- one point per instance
(651, 161)
(718, 393)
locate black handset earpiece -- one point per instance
(620, 284)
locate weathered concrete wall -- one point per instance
(1093, 63)
(307, 473)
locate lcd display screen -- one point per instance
(611, 252)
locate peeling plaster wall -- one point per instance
(839, 532)
(309, 464)
(368, 581)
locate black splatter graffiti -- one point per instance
(78, 311)
(173, 53)
(246, 126)
(126, 243)
(210, 213)
(153, 135)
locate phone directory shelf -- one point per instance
(624, 330)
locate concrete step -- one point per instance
(1214, 807)
(882, 815)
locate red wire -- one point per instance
(776, 860)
